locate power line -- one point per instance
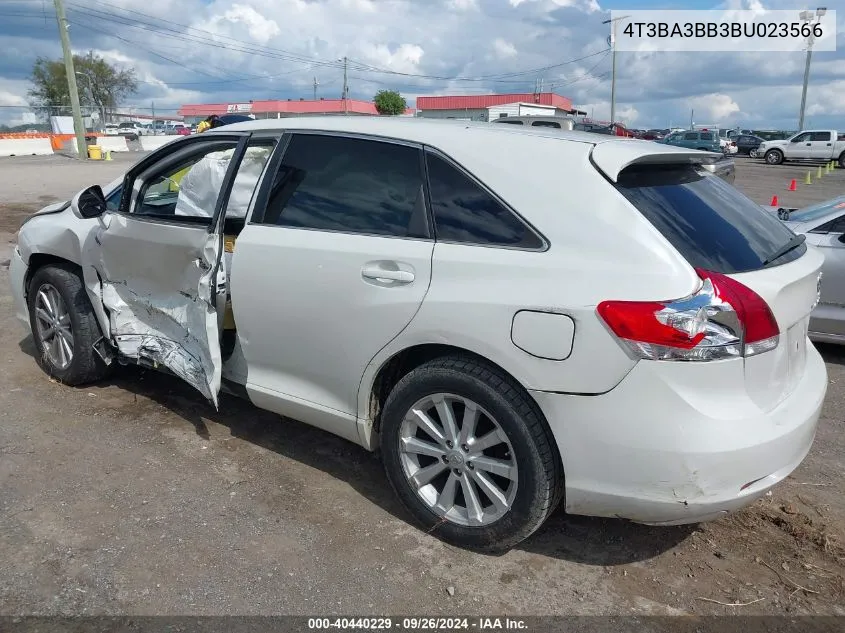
(182, 36)
(166, 30)
(499, 77)
(264, 51)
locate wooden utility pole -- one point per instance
(345, 88)
(78, 126)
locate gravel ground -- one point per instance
(136, 497)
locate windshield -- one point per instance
(710, 223)
(816, 211)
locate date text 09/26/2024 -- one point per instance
(419, 624)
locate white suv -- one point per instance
(131, 128)
(513, 317)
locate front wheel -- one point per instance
(469, 454)
(774, 157)
(64, 327)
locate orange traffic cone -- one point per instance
(793, 186)
(774, 202)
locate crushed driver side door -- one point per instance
(159, 257)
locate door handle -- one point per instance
(829, 144)
(390, 276)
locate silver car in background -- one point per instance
(823, 226)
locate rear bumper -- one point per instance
(675, 443)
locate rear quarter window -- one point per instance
(711, 224)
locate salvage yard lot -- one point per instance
(135, 496)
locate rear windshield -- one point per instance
(708, 221)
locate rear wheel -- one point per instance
(64, 327)
(842, 160)
(469, 454)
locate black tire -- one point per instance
(773, 157)
(842, 160)
(86, 365)
(539, 469)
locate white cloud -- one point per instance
(503, 48)
(715, 107)
(628, 114)
(260, 28)
(406, 58)
(463, 5)
(267, 49)
(8, 99)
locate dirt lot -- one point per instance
(136, 497)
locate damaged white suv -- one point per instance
(513, 317)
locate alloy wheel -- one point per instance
(458, 459)
(53, 326)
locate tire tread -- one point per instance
(87, 366)
(529, 412)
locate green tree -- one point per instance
(102, 86)
(389, 102)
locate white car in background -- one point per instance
(111, 129)
(594, 321)
(131, 128)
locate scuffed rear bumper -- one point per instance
(17, 281)
(680, 444)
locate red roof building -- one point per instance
(490, 107)
(279, 108)
(478, 102)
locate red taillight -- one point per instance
(761, 328)
(638, 321)
(723, 319)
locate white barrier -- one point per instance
(112, 144)
(150, 143)
(25, 147)
(69, 147)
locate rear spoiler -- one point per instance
(611, 158)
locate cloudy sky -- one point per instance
(211, 51)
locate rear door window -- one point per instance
(709, 222)
(349, 185)
(692, 136)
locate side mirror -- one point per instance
(91, 202)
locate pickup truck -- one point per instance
(812, 145)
